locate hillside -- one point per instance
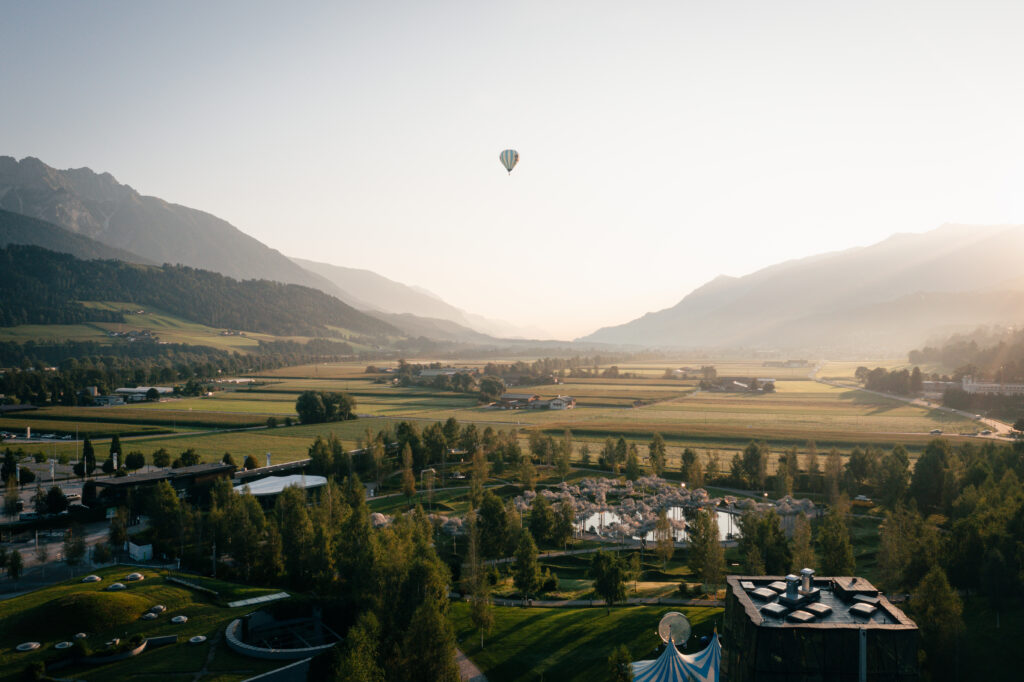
(45, 287)
(885, 296)
(21, 229)
(367, 290)
(97, 206)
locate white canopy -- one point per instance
(273, 485)
(673, 666)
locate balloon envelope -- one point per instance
(509, 159)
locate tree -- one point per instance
(929, 475)
(74, 545)
(755, 464)
(249, 463)
(833, 472)
(619, 454)
(564, 520)
(834, 542)
(893, 476)
(361, 653)
(15, 565)
(656, 454)
(134, 460)
(1019, 424)
(526, 572)
(56, 502)
(585, 455)
(408, 480)
(562, 461)
(528, 474)
(753, 562)
(609, 572)
(115, 446)
(801, 547)
(152, 395)
(633, 463)
(88, 456)
(429, 646)
(713, 570)
(620, 665)
(189, 458)
(763, 530)
(664, 546)
(162, 458)
(495, 528)
(11, 498)
(314, 407)
(228, 459)
(542, 519)
(39, 502)
(491, 389)
(477, 585)
(938, 611)
(478, 477)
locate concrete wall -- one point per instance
(231, 635)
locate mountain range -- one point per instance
(146, 229)
(888, 296)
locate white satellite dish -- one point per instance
(674, 626)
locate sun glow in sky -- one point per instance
(661, 144)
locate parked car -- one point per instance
(936, 432)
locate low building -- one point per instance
(107, 400)
(808, 628)
(515, 401)
(112, 492)
(267, 489)
(562, 402)
(971, 386)
(139, 393)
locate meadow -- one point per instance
(567, 643)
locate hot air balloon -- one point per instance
(509, 158)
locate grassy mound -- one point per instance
(81, 612)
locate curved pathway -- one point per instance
(468, 670)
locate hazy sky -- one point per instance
(661, 144)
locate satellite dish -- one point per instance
(674, 626)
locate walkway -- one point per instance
(468, 670)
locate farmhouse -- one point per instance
(562, 402)
(516, 401)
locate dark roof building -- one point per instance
(182, 479)
(806, 628)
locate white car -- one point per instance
(91, 579)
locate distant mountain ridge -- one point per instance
(964, 275)
(370, 291)
(96, 205)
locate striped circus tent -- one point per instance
(673, 666)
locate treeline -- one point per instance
(897, 382)
(56, 373)
(45, 287)
(997, 357)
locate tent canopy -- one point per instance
(673, 666)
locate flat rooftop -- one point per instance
(833, 602)
(275, 485)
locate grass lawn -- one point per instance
(567, 644)
(22, 615)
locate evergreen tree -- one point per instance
(801, 548)
(834, 542)
(408, 479)
(656, 454)
(477, 585)
(632, 463)
(88, 456)
(938, 611)
(429, 646)
(115, 448)
(526, 572)
(713, 570)
(15, 564)
(362, 649)
(564, 522)
(664, 546)
(620, 665)
(542, 519)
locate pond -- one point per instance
(728, 526)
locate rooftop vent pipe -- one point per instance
(807, 579)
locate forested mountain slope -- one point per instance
(44, 287)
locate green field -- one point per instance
(56, 613)
(567, 644)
